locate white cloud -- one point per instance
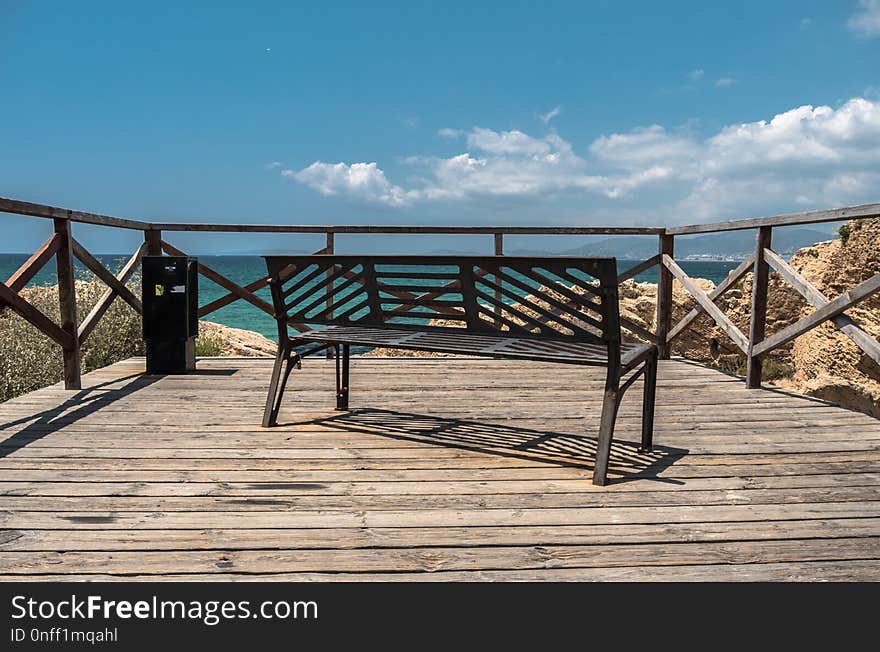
(508, 142)
(697, 74)
(506, 163)
(446, 132)
(815, 155)
(724, 82)
(805, 23)
(807, 156)
(866, 20)
(274, 165)
(643, 146)
(552, 113)
(364, 181)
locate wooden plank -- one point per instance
(490, 473)
(711, 449)
(767, 437)
(758, 314)
(91, 320)
(664, 297)
(729, 281)
(329, 248)
(635, 270)
(34, 264)
(865, 211)
(224, 282)
(153, 242)
(351, 538)
(732, 484)
(117, 286)
(633, 327)
(387, 501)
(434, 559)
(831, 309)
(816, 571)
(722, 320)
(435, 517)
(811, 293)
(231, 297)
(67, 304)
(407, 229)
(430, 465)
(40, 210)
(574, 427)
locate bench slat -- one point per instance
(506, 347)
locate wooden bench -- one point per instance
(566, 311)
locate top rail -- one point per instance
(411, 229)
(787, 219)
(53, 212)
(8, 205)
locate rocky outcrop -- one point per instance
(827, 364)
(237, 342)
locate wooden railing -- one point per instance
(71, 332)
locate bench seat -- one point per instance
(491, 345)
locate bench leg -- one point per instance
(648, 403)
(284, 361)
(606, 433)
(342, 376)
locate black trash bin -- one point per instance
(170, 292)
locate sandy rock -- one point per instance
(237, 341)
(843, 392)
(403, 353)
(824, 352)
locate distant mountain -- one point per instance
(727, 245)
(740, 244)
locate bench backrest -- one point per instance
(563, 298)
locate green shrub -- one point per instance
(209, 346)
(771, 368)
(29, 360)
(845, 231)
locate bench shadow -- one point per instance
(79, 405)
(207, 372)
(627, 463)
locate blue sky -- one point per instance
(446, 112)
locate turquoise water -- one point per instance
(245, 269)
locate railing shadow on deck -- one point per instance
(508, 441)
(771, 388)
(81, 404)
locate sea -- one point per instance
(245, 269)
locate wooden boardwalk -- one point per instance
(446, 469)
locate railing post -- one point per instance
(330, 248)
(664, 296)
(760, 278)
(67, 303)
(499, 251)
(153, 240)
